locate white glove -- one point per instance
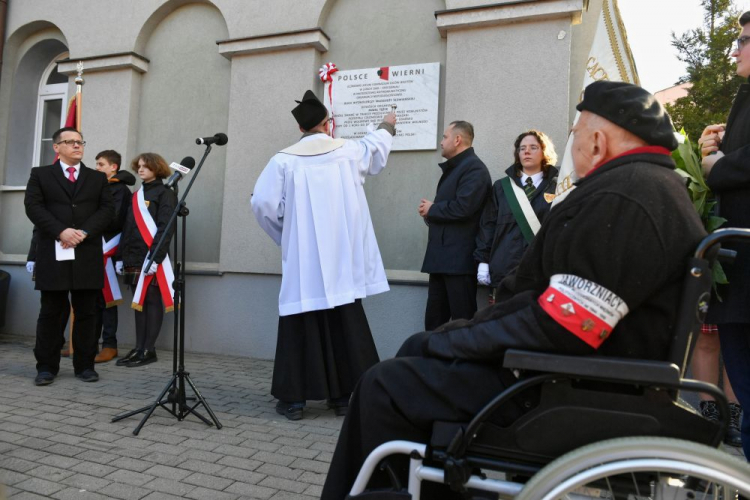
(483, 274)
(30, 266)
(152, 269)
(119, 268)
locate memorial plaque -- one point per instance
(364, 96)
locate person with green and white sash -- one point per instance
(516, 208)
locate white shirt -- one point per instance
(315, 208)
(536, 178)
(65, 168)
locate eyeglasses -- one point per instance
(528, 148)
(71, 142)
(742, 41)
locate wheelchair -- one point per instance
(601, 428)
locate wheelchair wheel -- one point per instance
(641, 468)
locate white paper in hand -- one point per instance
(64, 253)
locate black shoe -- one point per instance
(44, 378)
(292, 411)
(129, 356)
(142, 358)
(339, 406)
(88, 375)
(733, 436)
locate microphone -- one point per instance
(181, 169)
(218, 139)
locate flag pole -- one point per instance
(79, 96)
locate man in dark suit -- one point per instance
(454, 222)
(70, 205)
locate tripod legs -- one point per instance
(176, 386)
(202, 401)
(176, 390)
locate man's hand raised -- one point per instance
(390, 118)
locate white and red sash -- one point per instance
(584, 308)
(164, 274)
(111, 290)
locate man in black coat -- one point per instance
(70, 206)
(453, 219)
(603, 275)
(726, 163)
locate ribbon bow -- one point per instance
(326, 72)
(326, 75)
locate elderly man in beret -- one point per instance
(603, 275)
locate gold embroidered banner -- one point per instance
(609, 59)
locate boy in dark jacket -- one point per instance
(108, 162)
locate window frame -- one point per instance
(48, 93)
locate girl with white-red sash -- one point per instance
(145, 224)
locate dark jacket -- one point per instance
(500, 242)
(54, 204)
(630, 227)
(118, 185)
(454, 215)
(161, 202)
(121, 196)
(31, 257)
(729, 180)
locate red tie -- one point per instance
(71, 174)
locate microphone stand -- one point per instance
(175, 388)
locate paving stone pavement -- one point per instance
(59, 442)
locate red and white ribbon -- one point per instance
(164, 274)
(111, 290)
(326, 76)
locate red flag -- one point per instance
(70, 119)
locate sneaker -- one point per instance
(44, 378)
(88, 375)
(733, 436)
(106, 354)
(709, 410)
(291, 410)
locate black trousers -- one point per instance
(401, 398)
(735, 349)
(148, 321)
(49, 341)
(106, 323)
(450, 297)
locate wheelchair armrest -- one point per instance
(643, 372)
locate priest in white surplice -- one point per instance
(310, 199)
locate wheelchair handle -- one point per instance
(728, 234)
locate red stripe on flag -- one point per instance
(142, 227)
(161, 278)
(107, 290)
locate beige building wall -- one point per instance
(161, 72)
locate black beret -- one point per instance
(632, 108)
(309, 112)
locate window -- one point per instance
(50, 113)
